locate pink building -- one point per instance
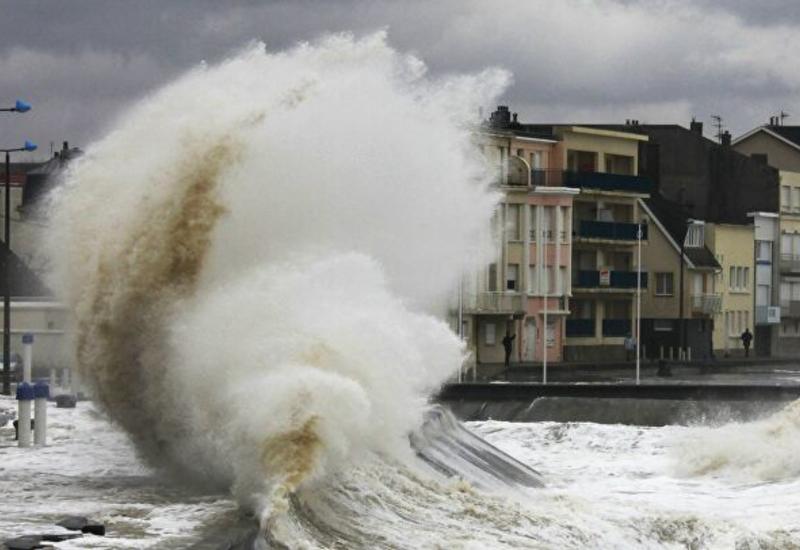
(530, 279)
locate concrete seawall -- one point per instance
(647, 405)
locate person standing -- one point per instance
(747, 338)
(630, 346)
(508, 345)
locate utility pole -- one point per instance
(639, 304)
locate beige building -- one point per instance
(734, 248)
(671, 234)
(603, 164)
(779, 146)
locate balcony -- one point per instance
(624, 280)
(790, 263)
(497, 303)
(616, 327)
(608, 182)
(580, 328)
(592, 180)
(615, 231)
(707, 304)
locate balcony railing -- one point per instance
(616, 327)
(580, 327)
(618, 231)
(505, 303)
(591, 180)
(608, 182)
(790, 263)
(708, 303)
(617, 279)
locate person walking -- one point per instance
(508, 345)
(747, 338)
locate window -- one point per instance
(795, 199)
(547, 223)
(532, 278)
(762, 295)
(562, 280)
(490, 334)
(532, 223)
(536, 160)
(739, 278)
(563, 231)
(492, 277)
(664, 284)
(512, 223)
(785, 192)
(786, 244)
(764, 251)
(695, 236)
(512, 276)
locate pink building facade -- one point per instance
(525, 291)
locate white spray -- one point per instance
(254, 253)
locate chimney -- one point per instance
(66, 146)
(696, 127)
(501, 117)
(725, 138)
(514, 117)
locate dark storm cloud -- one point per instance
(83, 61)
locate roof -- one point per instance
(787, 134)
(674, 219)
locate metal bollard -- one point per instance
(24, 398)
(27, 356)
(41, 393)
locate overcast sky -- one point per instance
(80, 62)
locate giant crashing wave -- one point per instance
(257, 257)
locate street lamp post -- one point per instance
(28, 146)
(19, 107)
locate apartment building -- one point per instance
(679, 307)
(603, 165)
(525, 291)
(779, 146)
(733, 246)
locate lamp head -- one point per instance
(21, 106)
(29, 145)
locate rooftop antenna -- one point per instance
(717, 123)
(783, 115)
